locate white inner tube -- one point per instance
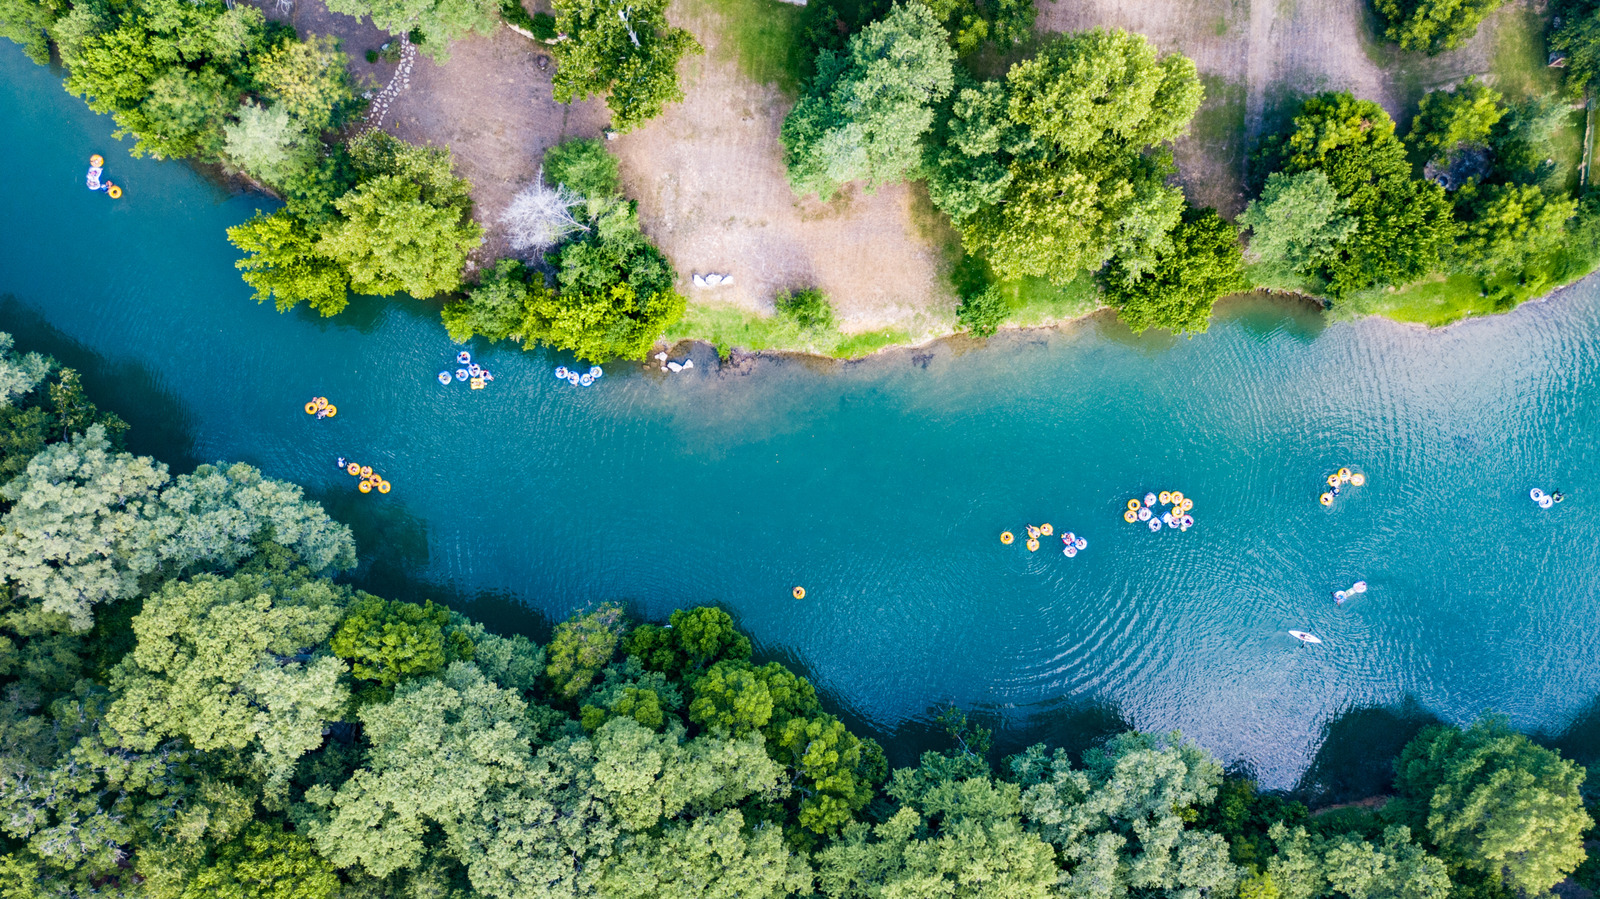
(444, 377)
(1546, 502)
(572, 378)
(1149, 499)
(1070, 551)
(595, 372)
(461, 374)
(1082, 543)
(1155, 525)
(1536, 494)
(561, 372)
(586, 380)
(1358, 587)
(1144, 514)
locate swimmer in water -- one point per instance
(341, 461)
(1556, 495)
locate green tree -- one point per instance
(586, 167)
(1314, 867)
(438, 21)
(972, 24)
(497, 307)
(1202, 264)
(1403, 224)
(233, 664)
(1497, 802)
(268, 144)
(693, 640)
(28, 22)
(580, 647)
(1507, 225)
(625, 49)
(389, 641)
(741, 698)
(1448, 120)
(287, 264)
(265, 863)
(1297, 221)
(391, 238)
(710, 858)
(308, 80)
(808, 308)
(1432, 26)
(19, 375)
(827, 762)
(1579, 39)
(865, 113)
(984, 312)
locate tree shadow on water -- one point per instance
(160, 424)
(1359, 746)
(1580, 739)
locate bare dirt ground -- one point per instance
(712, 192)
(1255, 55)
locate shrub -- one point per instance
(807, 308)
(984, 312)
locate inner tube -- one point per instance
(461, 374)
(1047, 530)
(96, 160)
(366, 471)
(330, 410)
(1546, 502)
(1177, 497)
(1536, 494)
(311, 409)
(353, 468)
(1144, 514)
(474, 370)
(1333, 480)
(1033, 545)
(1358, 479)
(586, 380)
(444, 378)
(573, 378)
(1155, 525)
(1188, 521)
(113, 191)
(1130, 516)
(1165, 497)
(1344, 474)
(595, 372)
(1358, 587)
(799, 592)
(1326, 499)
(93, 181)
(1133, 505)
(1070, 551)
(1338, 596)
(1557, 496)
(1082, 544)
(365, 486)
(1006, 537)
(1149, 499)
(463, 357)
(383, 486)
(1187, 504)
(1033, 532)
(561, 372)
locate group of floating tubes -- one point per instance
(473, 374)
(576, 379)
(1545, 500)
(1342, 476)
(1073, 543)
(321, 408)
(1356, 589)
(96, 167)
(370, 480)
(1175, 517)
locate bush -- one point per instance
(983, 312)
(807, 308)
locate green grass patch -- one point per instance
(731, 326)
(1220, 120)
(1035, 301)
(1519, 64)
(762, 37)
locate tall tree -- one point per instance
(1296, 222)
(438, 22)
(1432, 26)
(1201, 264)
(625, 49)
(865, 113)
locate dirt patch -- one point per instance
(712, 192)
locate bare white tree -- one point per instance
(541, 216)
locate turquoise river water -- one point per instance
(881, 487)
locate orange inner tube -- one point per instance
(799, 593)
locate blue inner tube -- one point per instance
(444, 377)
(461, 374)
(463, 357)
(586, 380)
(572, 378)
(595, 372)
(561, 372)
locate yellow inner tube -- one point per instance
(1033, 532)
(1133, 505)
(311, 408)
(1333, 480)
(1164, 497)
(1033, 545)
(1327, 499)
(1006, 538)
(1046, 529)
(383, 486)
(114, 192)
(1358, 479)
(353, 468)
(1187, 504)
(331, 409)
(1344, 474)
(366, 487)
(366, 471)
(799, 593)
(1177, 497)
(1130, 516)
(96, 160)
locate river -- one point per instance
(882, 487)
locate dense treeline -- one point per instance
(193, 708)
